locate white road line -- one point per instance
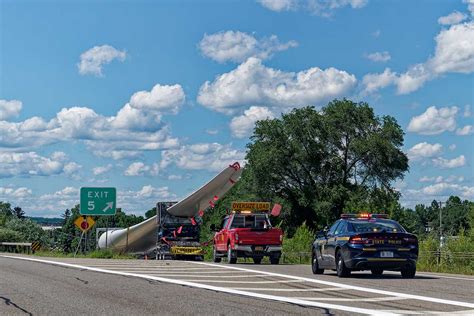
(223, 273)
(365, 299)
(215, 288)
(442, 276)
(246, 282)
(469, 312)
(290, 290)
(203, 276)
(352, 287)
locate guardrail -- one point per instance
(16, 247)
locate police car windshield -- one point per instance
(375, 226)
(250, 221)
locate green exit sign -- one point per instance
(98, 201)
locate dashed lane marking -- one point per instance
(365, 299)
(246, 282)
(352, 287)
(215, 288)
(290, 290)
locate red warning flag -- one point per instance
(276, 210)
(211, 204)
(216, 198)
(193, 221)
(174, 233)
(180, 229)
(201, 213)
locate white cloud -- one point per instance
(379, 56)
(454, 53)
(9, 193)
(140, 169)
(448, 189)
(242, 126)
(175, 177)
(374, 82)
(452, 18)
(449, 163)
(71, 169)
(253, 83)
(9, 109)
(467, 111)
(466, 130)
(470, 5)
(212, 131)
(95, 58)
(203, 156)
(323, 8)
(279, 5)
(31, 164)
(439, 179)
(434, 121)
(237, 46)
(452, 147)
(424, 150)
(137, 127)
(160, 98)
(97, 171)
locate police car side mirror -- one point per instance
(321, 233)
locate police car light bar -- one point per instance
(364, 215)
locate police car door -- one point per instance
(331, 244)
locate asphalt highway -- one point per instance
(58, 286)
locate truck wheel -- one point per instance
(230, 256)
(376, 271)
(257, 260)
(275, 260)
(215, 258)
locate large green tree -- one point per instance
(321, 163)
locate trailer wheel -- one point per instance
(257, 260)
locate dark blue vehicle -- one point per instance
(365, 242)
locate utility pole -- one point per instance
(440, 231)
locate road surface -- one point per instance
(57, 286)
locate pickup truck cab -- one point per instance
(247, 235)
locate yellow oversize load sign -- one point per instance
(84, 223)
(250, 206)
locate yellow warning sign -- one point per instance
(84, 223)
(35, 245)
(250, 206)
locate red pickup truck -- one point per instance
(247, 235)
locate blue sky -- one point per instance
(155, 97)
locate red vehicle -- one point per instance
(247, 234)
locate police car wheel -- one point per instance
(341, 269)
(377, 271)
(408, 273)
(315, 265)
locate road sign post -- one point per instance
(98, 201)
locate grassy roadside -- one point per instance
(97, 254)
